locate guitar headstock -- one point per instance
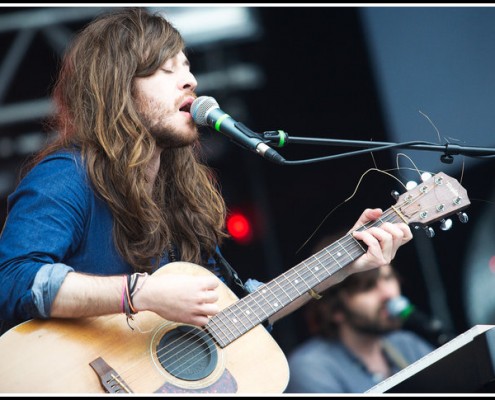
(432, 200)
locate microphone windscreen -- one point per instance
(200, 108)
(399, 307)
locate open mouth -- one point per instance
(186, 106)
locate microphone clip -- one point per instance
(277, 138)
(249, 133)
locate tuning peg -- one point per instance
(463, 217)
(411, 185)
(395, 194)
(425, 176)
(445, 224)
(429, 231)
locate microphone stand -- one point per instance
(281, 139)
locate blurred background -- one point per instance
(391, 74)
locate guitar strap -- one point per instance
(231, 276)
(394, 354)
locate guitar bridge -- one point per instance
(111, 381)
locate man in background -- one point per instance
(355, 344)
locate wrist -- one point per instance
(136, 295)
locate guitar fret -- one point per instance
(359, 244)
(322, 265)
(217, 332)
(251, 313)
(352, 258)
(294, 285)
(331, 254)
(230, 331)
(297, 282)
(326, 250)
(238, 317)
(338, 257)
(275, 305)
(256, 295)
(298, 285)
(314, 283)
(239, 314)
(260, 297)
(283, 291)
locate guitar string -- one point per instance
(341, 243)
(389, 215)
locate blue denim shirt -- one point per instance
(55, 224)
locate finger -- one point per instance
(210, 296)
(369, 214)
(372, 236)
(401, 234)
(209, 309)
(407, 234)
(202, 315)
(379, 242)
(396, 234)
(199, 320)
(209, 282)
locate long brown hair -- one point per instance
(96, 112)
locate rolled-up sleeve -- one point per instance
(46, 284)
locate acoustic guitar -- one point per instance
(232, 353)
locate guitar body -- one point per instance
(158, 356)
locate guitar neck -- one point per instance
(271, 297)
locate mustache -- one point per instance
(186, 97)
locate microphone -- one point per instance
(205, 111)
(428, 327)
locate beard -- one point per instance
(167, 134)
(371, 325)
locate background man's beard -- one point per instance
(366, 325)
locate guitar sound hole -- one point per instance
(187, 353)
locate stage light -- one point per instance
(239, 227)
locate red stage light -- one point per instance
(239, 227)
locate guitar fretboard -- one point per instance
(235, 320)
